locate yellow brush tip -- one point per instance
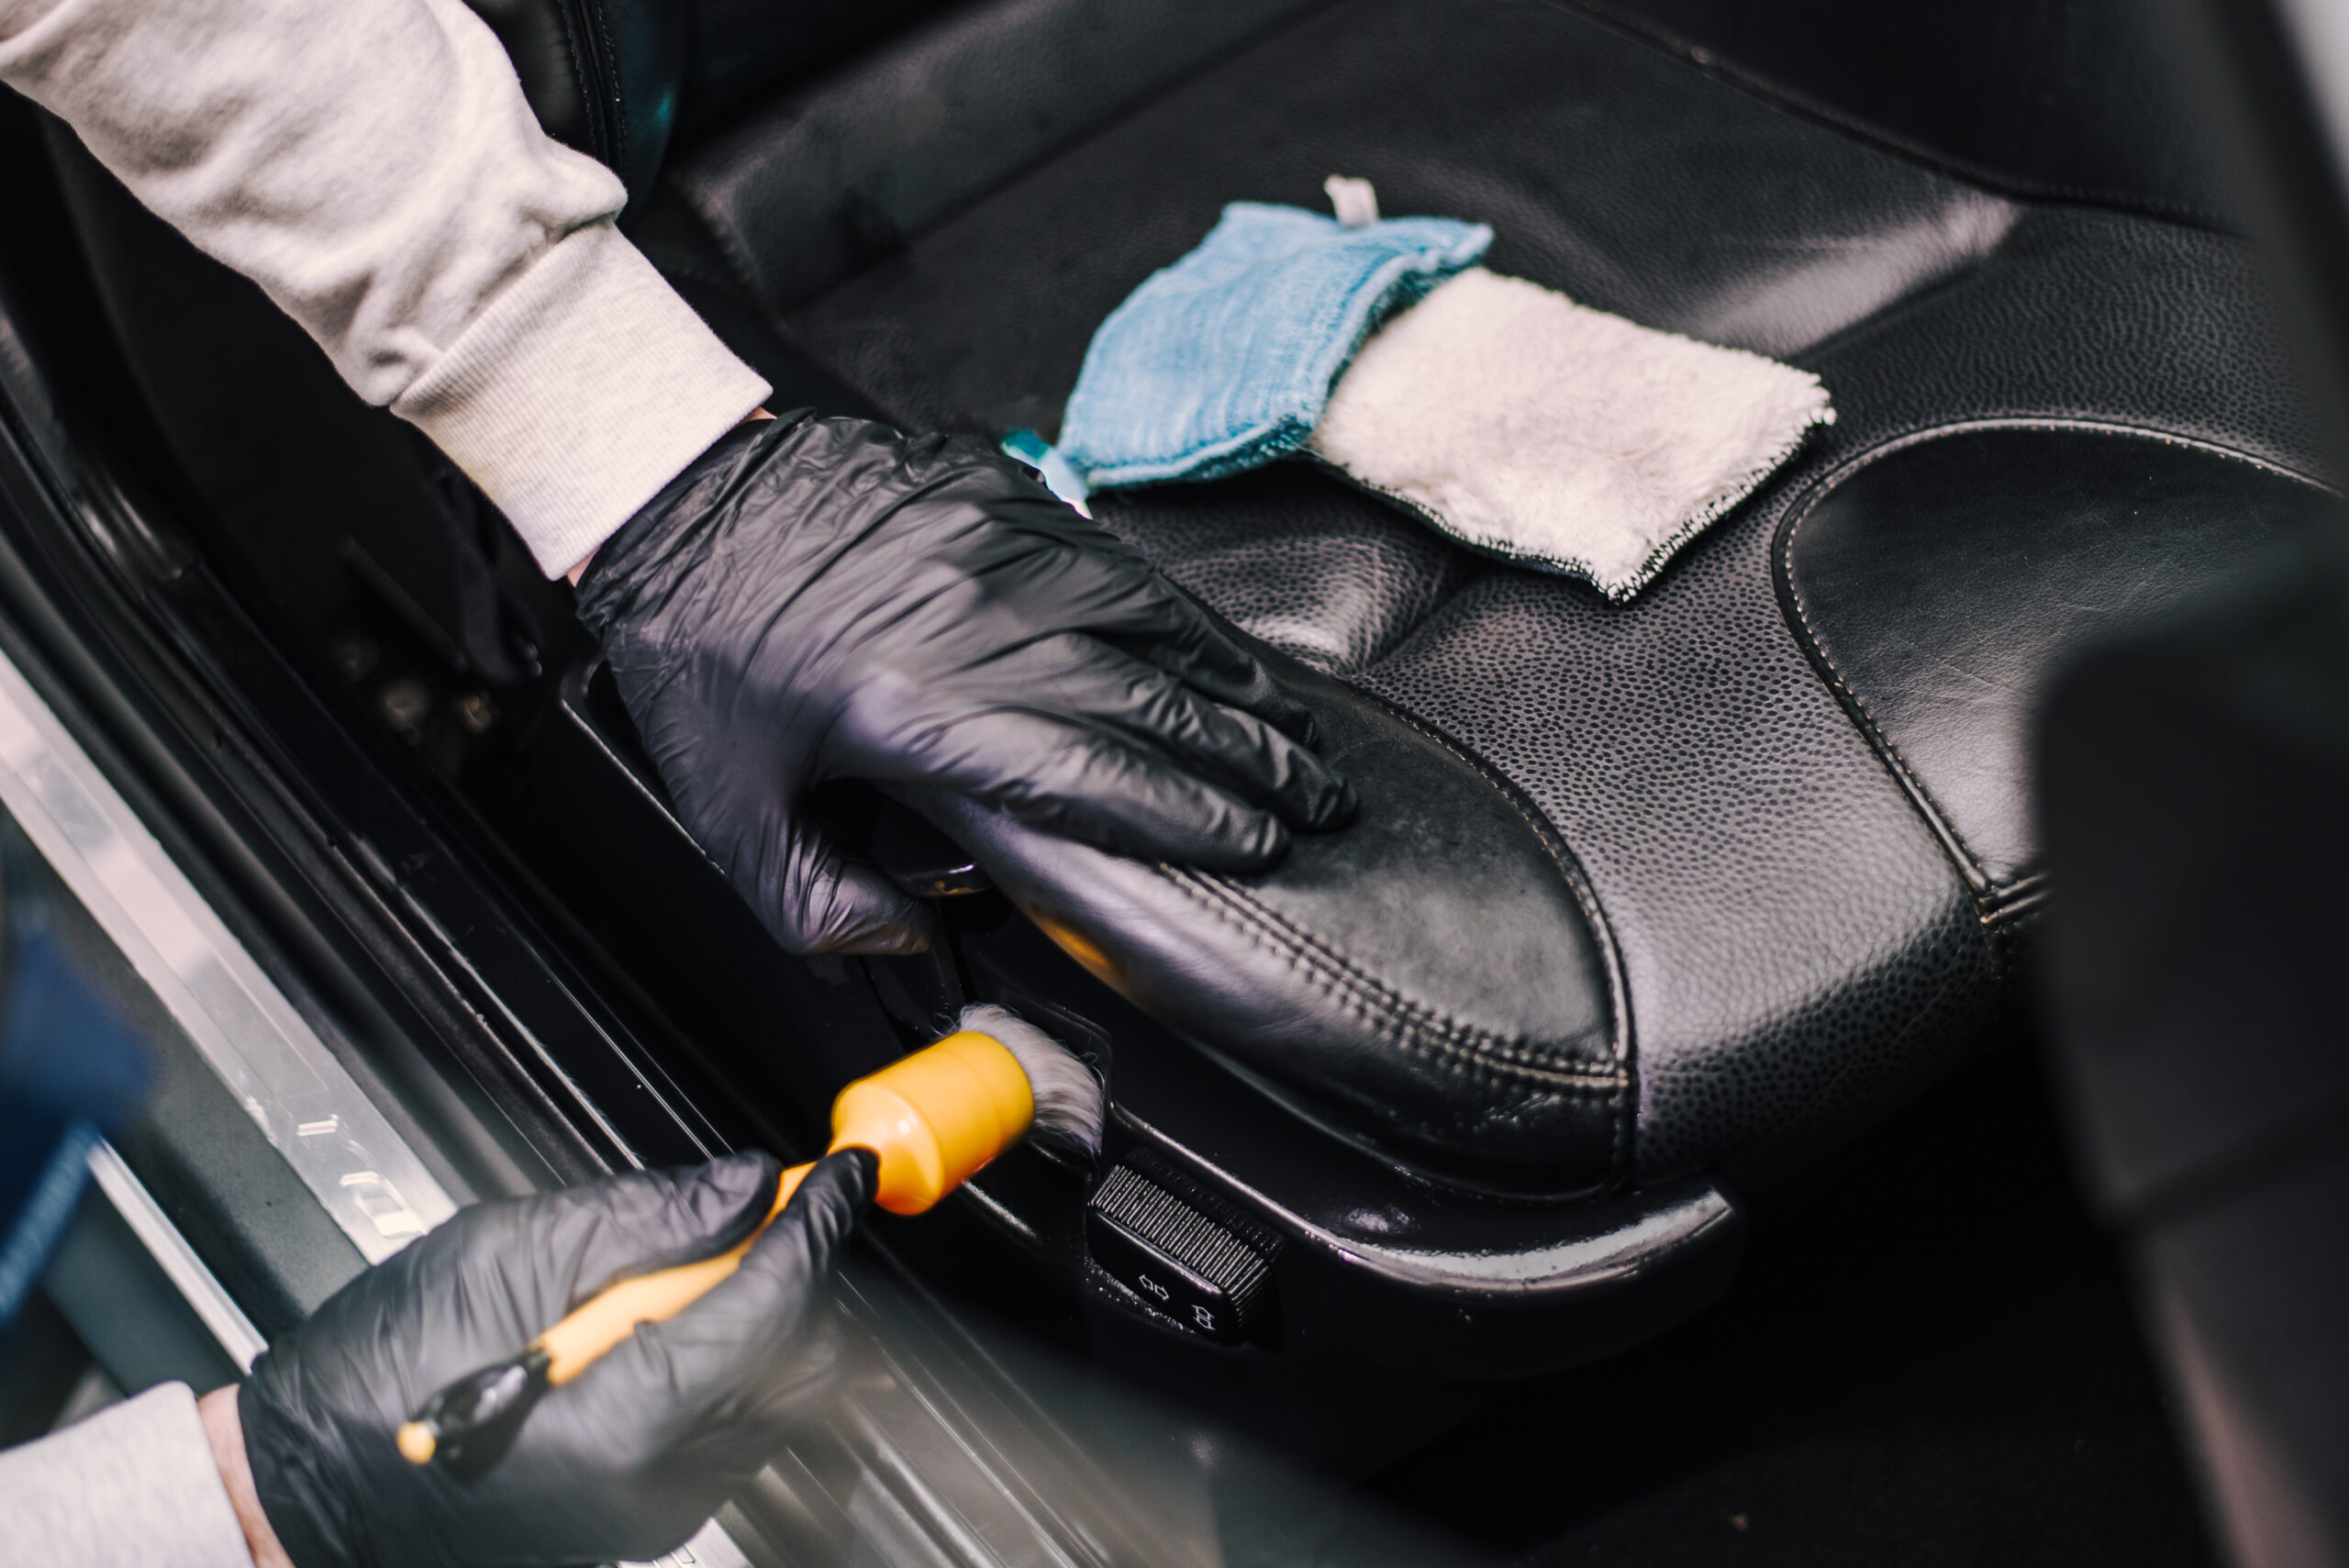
(417, 1443)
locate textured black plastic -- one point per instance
(1217, 1285)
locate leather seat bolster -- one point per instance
(1431, 981)
(1417, 1029)
(1939, 579)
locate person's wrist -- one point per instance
(225, 1430)
(588, 560)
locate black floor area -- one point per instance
(1929, 1359)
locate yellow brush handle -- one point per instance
(574, 1344)
(933, 1117)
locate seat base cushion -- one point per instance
(1800, 952)
(1431, 981)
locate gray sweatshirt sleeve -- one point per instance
(373, 166)
(133, 1487)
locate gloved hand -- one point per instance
(820, 599)
(625, 1461)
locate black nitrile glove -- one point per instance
(820, 599)
(625, 1461)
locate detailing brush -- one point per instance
(934, 1119)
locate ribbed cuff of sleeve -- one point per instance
(582, 388)
(136, 1483)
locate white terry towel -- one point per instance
(1558, 436)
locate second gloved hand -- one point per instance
(626, 1460)
(820, 599)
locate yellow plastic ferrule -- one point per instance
(935, 1118)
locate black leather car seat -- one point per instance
(1791, 770)
(1650, 897)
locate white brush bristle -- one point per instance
(1069, 1107)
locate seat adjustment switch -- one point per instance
(1181, 1263)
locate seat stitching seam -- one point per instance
(1866, 714)
(1901, 440)
(1420, 1029)
(1458, 1047)
(1485, 1048)
(1885, 744)
(1541, 833)
(1617, 1044)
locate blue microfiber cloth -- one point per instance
(1225, 359)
